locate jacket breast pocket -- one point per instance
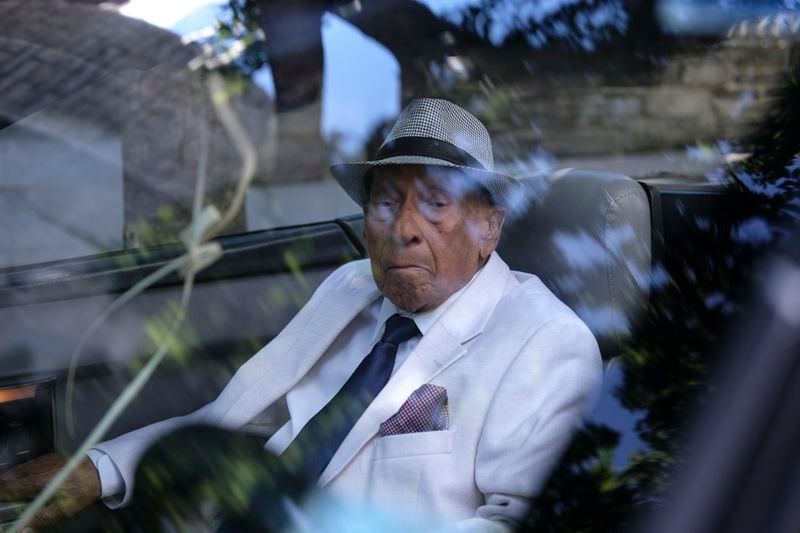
(413, 444)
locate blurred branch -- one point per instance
(206, 223)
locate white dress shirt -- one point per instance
(328, 376)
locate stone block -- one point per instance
(605, 110)
(583, 141)
(624, 107)
(679, 102)
(707, 72)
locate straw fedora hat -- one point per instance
(432, 131)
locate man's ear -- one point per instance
(492, 226)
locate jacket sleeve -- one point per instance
(125, 451)
(545, 393)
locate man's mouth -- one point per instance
(406, 268)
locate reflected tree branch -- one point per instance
(206, 223)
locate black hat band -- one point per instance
(427, 147)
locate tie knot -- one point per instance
(399, 329)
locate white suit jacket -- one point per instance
(520, 370)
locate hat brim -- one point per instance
(352, 177)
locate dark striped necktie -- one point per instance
(312, 449)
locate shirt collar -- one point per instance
(424, 320)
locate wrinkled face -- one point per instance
(427, 233)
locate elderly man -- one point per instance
(430, 380)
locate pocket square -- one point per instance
(425, 410)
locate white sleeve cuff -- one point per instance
(111, 482)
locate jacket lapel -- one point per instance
(281, 368)
(438, 349)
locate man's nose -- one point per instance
(406, 229)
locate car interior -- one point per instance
(595, 255)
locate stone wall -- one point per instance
(696, 98)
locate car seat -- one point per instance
(587, 236)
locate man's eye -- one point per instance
(437, 205)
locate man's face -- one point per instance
(426, 234)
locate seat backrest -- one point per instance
(587, 235)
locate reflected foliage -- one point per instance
(585, 493)
(238, 39)
(699, 292)
(772, 174)
(244, 484)
(579, 25)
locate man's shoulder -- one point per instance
(357, 267)
(536, 297)
(532, 304)
(350, 284)
(353, 275)
(547, 331)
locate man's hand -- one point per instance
(24, 482)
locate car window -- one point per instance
(102, 140)
(114, 114)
